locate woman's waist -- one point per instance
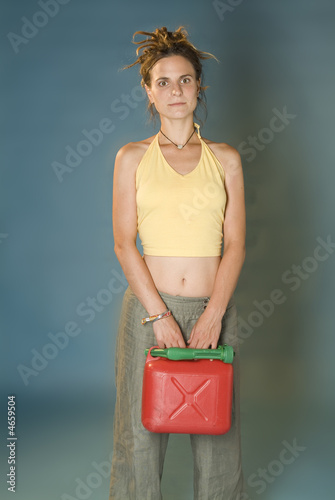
(183, 276)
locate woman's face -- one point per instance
(174, 88)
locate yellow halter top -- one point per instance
(180, 215)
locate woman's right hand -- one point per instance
(167, 333)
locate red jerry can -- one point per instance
(190, 396)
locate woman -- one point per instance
(181, 193)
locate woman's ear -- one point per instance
(148, 91)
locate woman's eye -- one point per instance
(185, 80)
(162, 83)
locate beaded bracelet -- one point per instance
(156, 317)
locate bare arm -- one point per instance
(207, 330)
(136, 271)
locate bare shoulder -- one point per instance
(227, 155)
(130, 155)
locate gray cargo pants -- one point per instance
(138, 455)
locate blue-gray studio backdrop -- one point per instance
(66, 110)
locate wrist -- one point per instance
(156, 317)
(155, 306)
(216, 311)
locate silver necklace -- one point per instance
(179, 146)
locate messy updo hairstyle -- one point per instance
(163, 43)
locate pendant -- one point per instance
(180, 146)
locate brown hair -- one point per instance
(163, 43)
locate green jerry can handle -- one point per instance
(224, 352)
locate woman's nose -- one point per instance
(176, 90)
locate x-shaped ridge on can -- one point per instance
(189, 398)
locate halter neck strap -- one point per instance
(198, 129)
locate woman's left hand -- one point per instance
(206, 331)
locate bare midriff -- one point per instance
(184, 276)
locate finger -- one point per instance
(181, 343)
(190, 342)
(214, 344)
(191, 336)
(194, 344)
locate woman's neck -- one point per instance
(177, 131)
